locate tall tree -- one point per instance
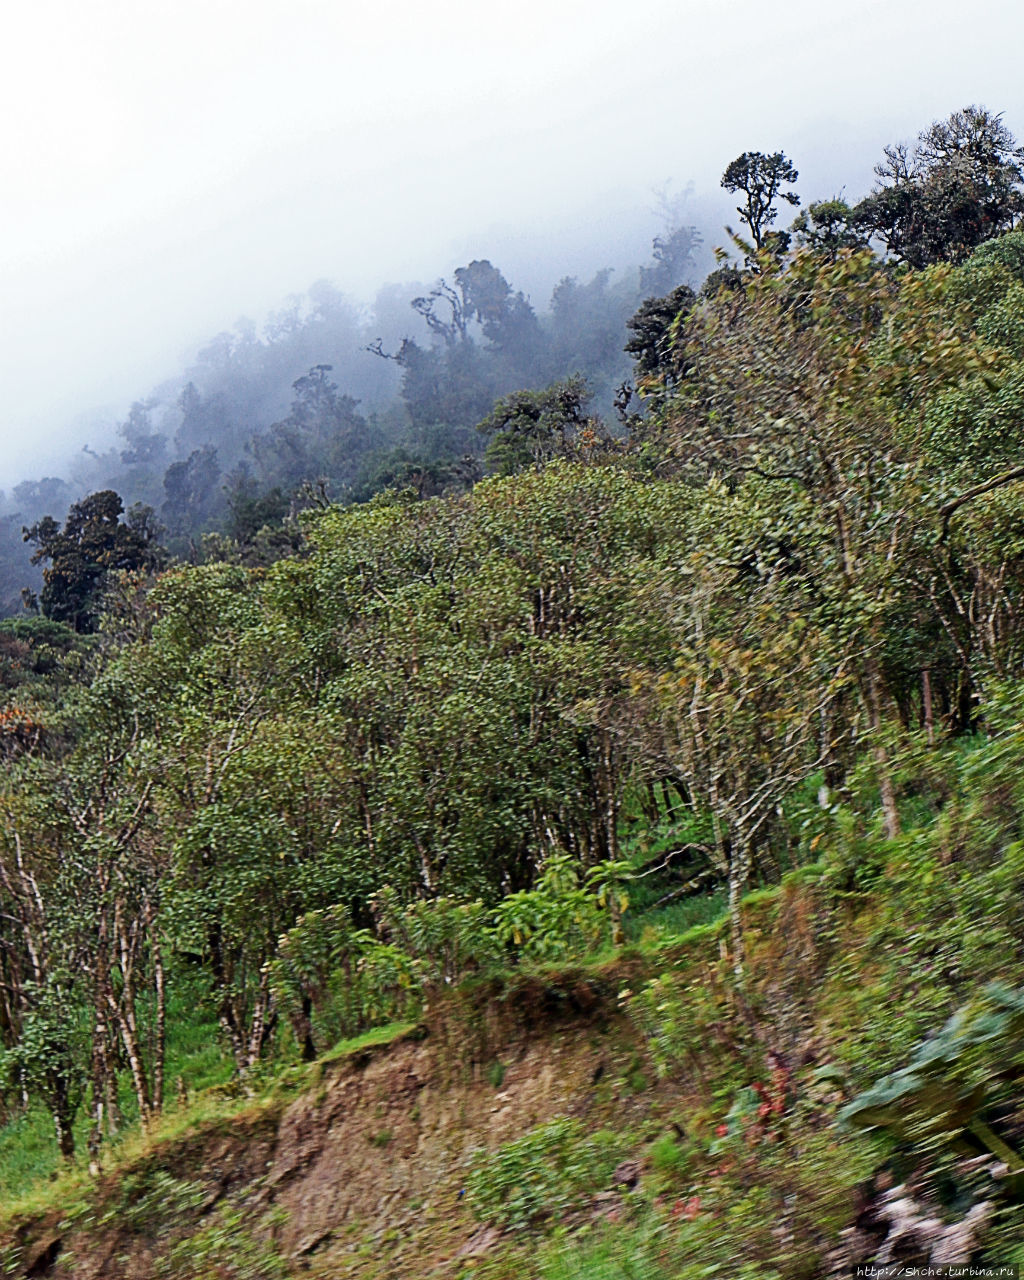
(762, 180)
(674, 254)
(93, 543)
(960, 184)
(532, 427)
(191, 491)
(653, 343)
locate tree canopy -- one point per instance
(93, 543)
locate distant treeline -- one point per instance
(348, 402)
(333, 404)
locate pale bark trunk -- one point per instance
(160, 1038)
(883, 770)
(926, 698)
(740, 860)
(137, 1067)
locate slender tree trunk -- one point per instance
(226, 1011)
(611, 808)
(114, 1118)
(136, 1065)
(127, 1023)
(258, 1025)
(159, 1038)
(883, 770)
(926, 698)
(890, 810)
(305, 1030)
(63, 1117)
(101, 1068)
(740, 861)
(650, 803)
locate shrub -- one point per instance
(546, 1173)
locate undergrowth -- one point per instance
(855, 960)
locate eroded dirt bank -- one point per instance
(361, 1174)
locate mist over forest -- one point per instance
(171, 172)
(329, 398)
(629, 680)
(349, 398)
(511, 748)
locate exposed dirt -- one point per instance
(362, 1174)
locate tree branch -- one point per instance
(948, 509)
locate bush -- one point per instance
(546, 1173)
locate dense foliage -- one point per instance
(428, 736)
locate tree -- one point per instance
(485, 294)
(653, 331)
(203, 422)
(191, 489)
(451, 328)
(761, 179)
(817, 415)
(531, 427)
(584, 329)
(448, 386)
(826, 227)
(482, 294)
(673, 254)
(323, 436)
(428, 478)
(81, 962)
(879, 414)
(751, 684)
(143, 445)
(233, 788)
(451, 383)
(252, 509)
(961, 184)
(93, 543)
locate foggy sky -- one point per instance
(170, 167)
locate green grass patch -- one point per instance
(675, 918)
(28, 1153)
(372, 1039)
(195, 1056)
(195, 1052)
(541, 1175)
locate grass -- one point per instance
(28, 1153)
(675, 917)
(372, 1039)
(28, 1156)
(194, 1051)
(31, 1173)
(69, 1186)
(628, 1254)
(28, 1149)
(651, 1244)
(32, 1181)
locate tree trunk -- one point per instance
(159, 1049)
(137, 1066)
(926, 699)
(63, 1117)
(883, 771)
(740, 861)
(305, 1030)
(101, 1069)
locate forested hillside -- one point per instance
(345, 400)
(683, 752)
